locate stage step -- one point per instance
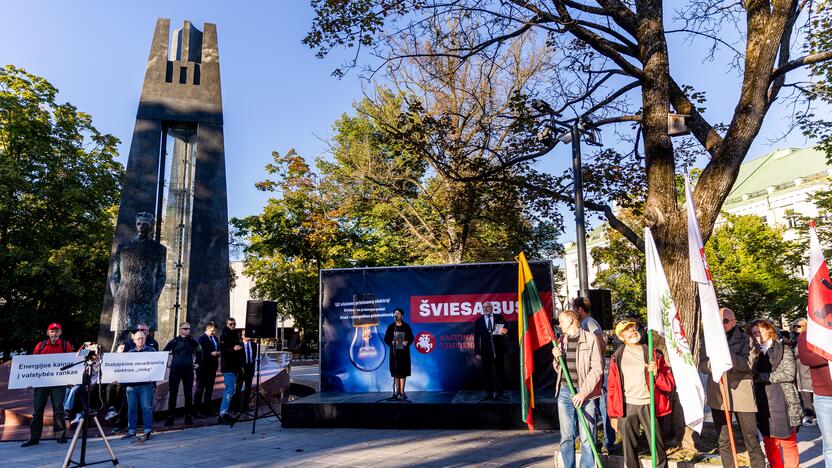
(422, 410)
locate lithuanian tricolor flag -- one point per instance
(534, 330)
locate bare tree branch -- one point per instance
(615, 223)
(801, 62)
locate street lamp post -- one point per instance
(580, 223)
(574, 137)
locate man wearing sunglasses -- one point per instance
(231, 364)
(741, 404)
(187, 356)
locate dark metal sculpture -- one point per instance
(181, 100)
(137, 279)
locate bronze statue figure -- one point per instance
(137, 279)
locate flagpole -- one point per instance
(652, 400)
(581, 419)
(722, 387)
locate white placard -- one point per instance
(133, 367)
(44, 370)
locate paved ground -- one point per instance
(273, 446)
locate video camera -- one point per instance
(89, 351)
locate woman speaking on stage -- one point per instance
(399, 337)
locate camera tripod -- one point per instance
(86, 416)
(257, 395)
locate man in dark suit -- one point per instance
(206, 375)
(250, 350)
(490, 346)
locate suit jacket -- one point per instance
(249, 367)
(209, 362)
(485, 344)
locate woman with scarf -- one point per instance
(778, 405)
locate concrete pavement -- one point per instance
(274, 446)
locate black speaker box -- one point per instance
(601, 301)
(261, 319)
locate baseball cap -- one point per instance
(623, 325)
(54, 326)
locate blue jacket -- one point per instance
(145, 349)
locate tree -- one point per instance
(305, 229)
(59, 188)
(624, 275)
(412, 146)
(610, 50)
(753, 270)
(377, 172)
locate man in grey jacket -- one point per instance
(741, 404)
(581, 352)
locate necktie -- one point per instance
(488, 323)
(214, 341)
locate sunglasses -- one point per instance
(185, 328)
(726, 321)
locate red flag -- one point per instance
(819, 330)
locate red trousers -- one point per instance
(789, 458)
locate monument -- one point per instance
(180, 106)
(137, 277)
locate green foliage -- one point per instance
(819, 39)
(625, 276)
(822, 199)
(302, 230)
(59, 186)
(753, 270)
(375, 202)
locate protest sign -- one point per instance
(133, 367)
(44, 370)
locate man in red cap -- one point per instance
(53, 344)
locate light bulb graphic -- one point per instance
(367, 350)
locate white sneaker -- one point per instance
(809, 421)
(111, 414)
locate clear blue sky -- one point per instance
(276, 94)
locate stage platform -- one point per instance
(422, 410)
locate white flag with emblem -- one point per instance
(663, 317)
(716, 346)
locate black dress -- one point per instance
(399, 358)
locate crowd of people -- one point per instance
(127, 404)
(776, 385)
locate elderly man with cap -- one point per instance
(628, 392)
(52, 345)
